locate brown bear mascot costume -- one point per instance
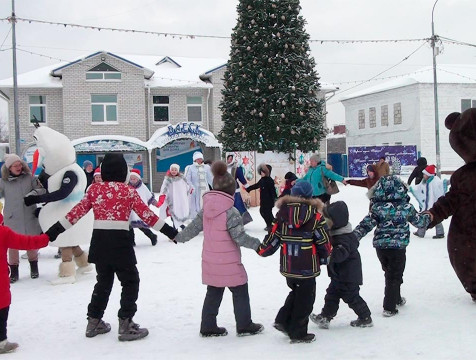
(460, 201)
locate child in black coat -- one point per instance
(344, 269)
(267, 194)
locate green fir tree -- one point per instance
(270, 85)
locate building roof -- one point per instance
(446, 74)
(159, 71)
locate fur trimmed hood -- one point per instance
(296, 199)
(6, 172)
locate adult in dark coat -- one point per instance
(267, 194)
(460, 200)
(417, 172)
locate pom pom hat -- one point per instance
(302, 189)
(222, 180)
(430, 170)
(114, 168)
(10, 159)
(136, 173)
(197, 155)
(97, 171)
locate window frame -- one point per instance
(103, 76)
(397, 113)
(104, 104)
(40, 105)
(161, 105)
(194, 105)
(361, 119)
(372, 117)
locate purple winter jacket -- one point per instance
(223, 234)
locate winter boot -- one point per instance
(280, 327)
(130, 331)
(34, 270)
(218, 331)
(58, 254)
(362, 322)
(6, 347)
(13, 274)
(82, 263)
(308, 338)
(402, 301)
(251, 329)
(390, 313)
(67, 273)
(321, 320)
(96, 327)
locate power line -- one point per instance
(456, 42)
(193, 36)
(8, 33)
(384, 71)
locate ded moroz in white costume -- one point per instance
(57, 156)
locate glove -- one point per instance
(32, 199)
(169, 231)
(55, 230)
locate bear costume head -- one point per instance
(462, 137)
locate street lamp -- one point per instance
(435, 92)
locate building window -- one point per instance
(384, 115)
(372, 117)
(194, 108)
(104, 108)
(361, 119)
(467, 104)
(161, 108)
(397, 113)
(37, 109)
(103, 72)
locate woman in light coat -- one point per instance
(15, 183)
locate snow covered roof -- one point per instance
(446, 74)
(108, 143)
(159, 71)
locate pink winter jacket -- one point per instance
(223, 234)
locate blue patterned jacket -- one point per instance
(390, 213)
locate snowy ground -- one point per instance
(436, 323)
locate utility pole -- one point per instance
(13, 20)
(435, 93)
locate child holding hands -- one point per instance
(223, 230)
(300, 232)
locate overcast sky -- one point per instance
(326, 20)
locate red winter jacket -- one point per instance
(12, 240)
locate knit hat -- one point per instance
(97, 171)
(430, 170)
(136, 173)
(370, 168)
(197, 155)
(222, 180)
(302, 189)
(338, 213)
(87, 163)
(290, 176)
(315, 157)
(10, 159)
(114, 168)
(176, 166)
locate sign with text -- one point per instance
(396, 156)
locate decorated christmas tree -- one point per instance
(270, 85)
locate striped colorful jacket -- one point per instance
(301, 234)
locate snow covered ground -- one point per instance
(436, 323)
